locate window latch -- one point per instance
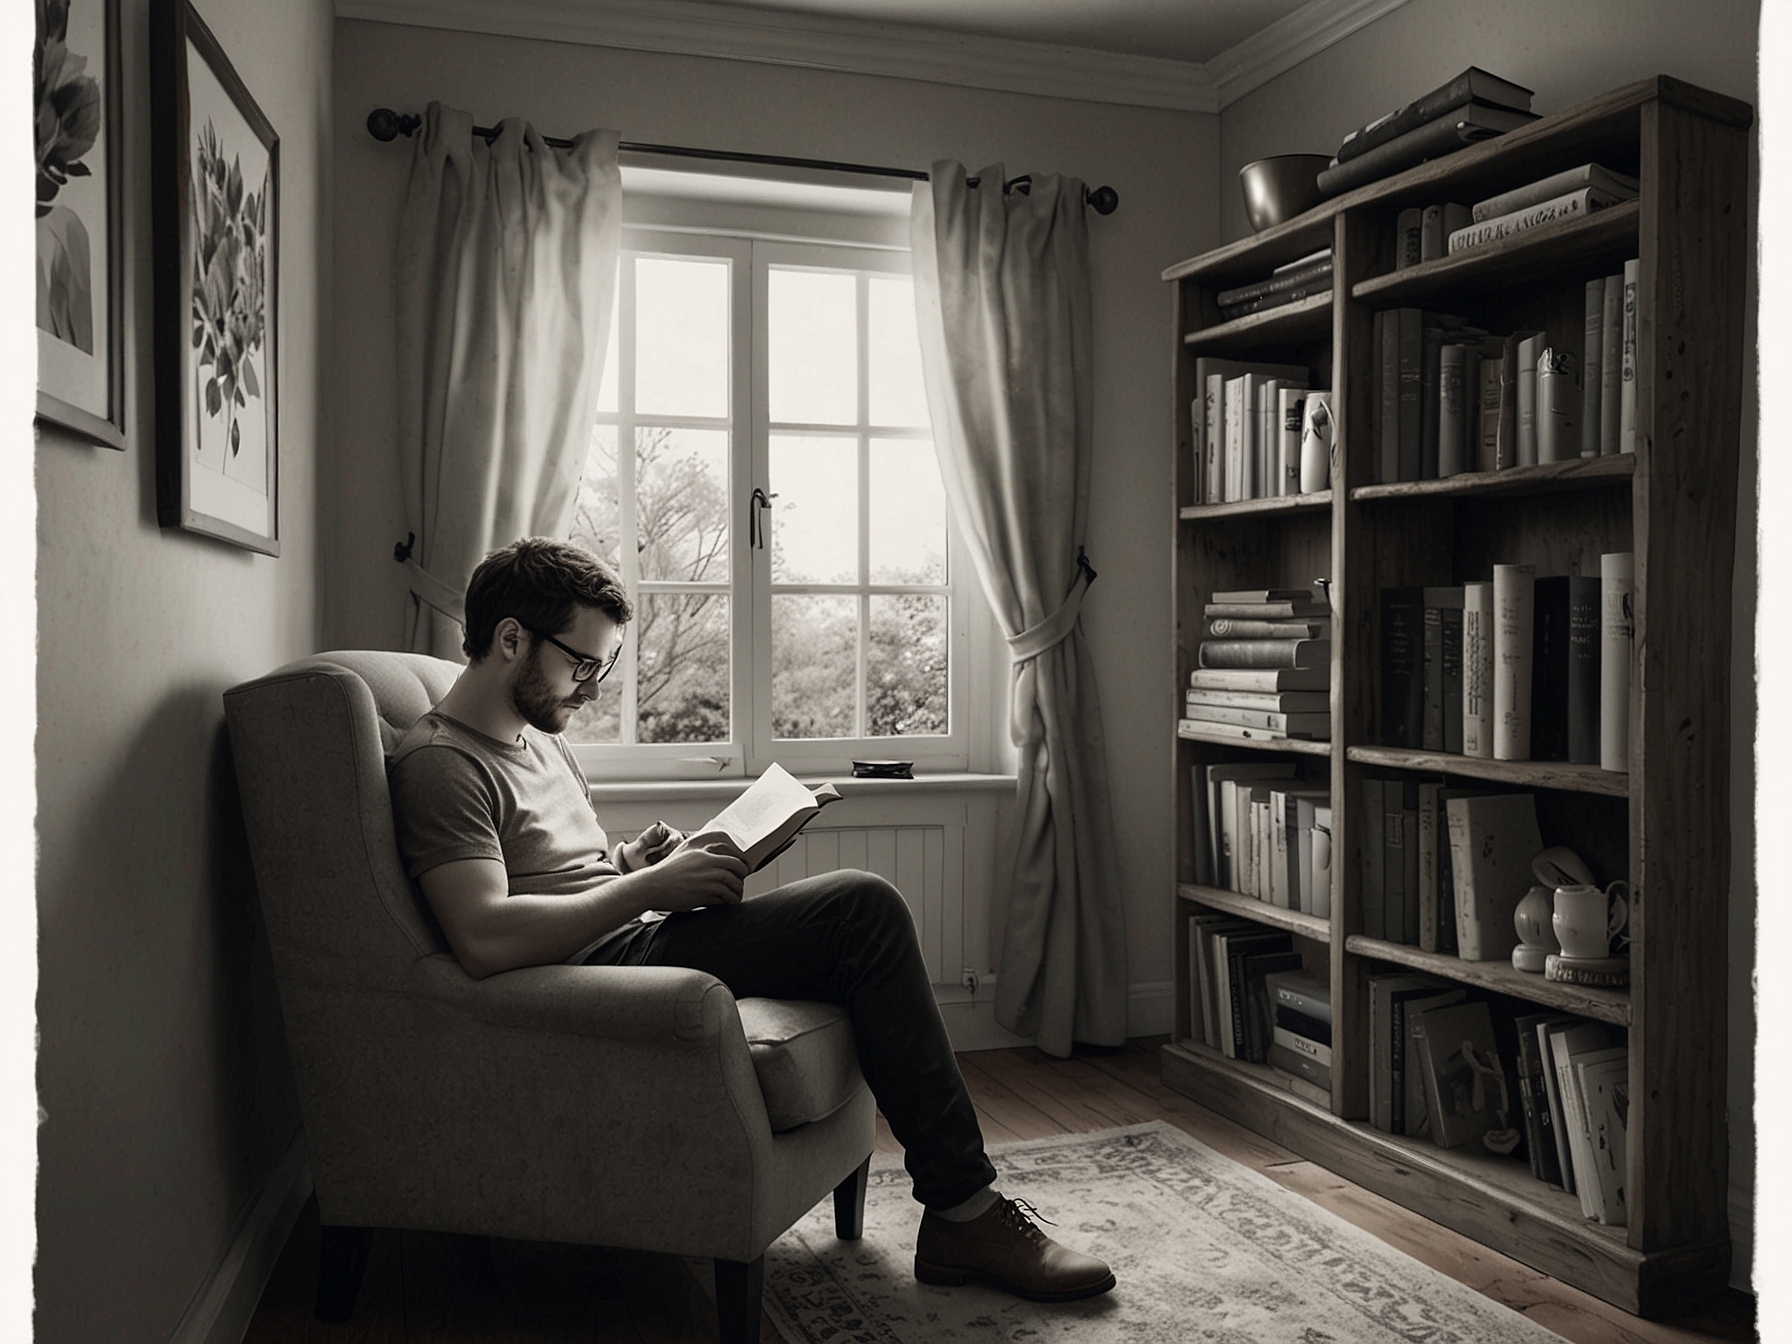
(757, 504)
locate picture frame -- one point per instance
(80, 219)
(216, 208)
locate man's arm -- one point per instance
(491, 930)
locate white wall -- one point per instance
(1566, 53)
(1159, 162)
(163, 1072)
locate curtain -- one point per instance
(1002, 301)
(506, 276)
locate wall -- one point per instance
(163, 1076)
(1157, 161)
(1567, 53)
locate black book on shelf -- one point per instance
(1384, 402)
(1374, 837)
(1583, 669)
(1443, 670)
(1409, 327)
(1402, 668)
(1472, 85)
(1259, 1024)
(1549, 670)
(1400, 860)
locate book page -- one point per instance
(764, 819)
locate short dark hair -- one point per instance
(542, 582)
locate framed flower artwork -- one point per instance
(216, 165)
(80, 227)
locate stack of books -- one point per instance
(1472, 107)
(1265, 667)
(1246, 429)
(1290, 283)
(1300, 1044)
(1564, 195)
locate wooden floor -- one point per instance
(458, 1290)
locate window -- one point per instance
(820, 619)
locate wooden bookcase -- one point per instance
(1666, 824)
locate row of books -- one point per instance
(1299, 279)
(1513, 669)
(1258, 430)
(1257, 631)
(1453, 1065)
(1426, 233)
(1472, 107)
(1250, 998)
(1263, 829)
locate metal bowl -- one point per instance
(1281, 187)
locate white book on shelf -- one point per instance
(1604, 1078)
(1611, 366)
(1215, 406)
(1566, 1042)
(1290, 403)
(1514, 606)
(1236, 419)
(1284, 825)
(1617, 635)
(1556, 184)
(1267, 436)
(1197, 441)
(1528, 350)
(1323, 850)
(1627, 395)
(1477, 669)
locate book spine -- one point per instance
(1197, 437)
(1316, 1051)
(1265, 653)
(1452, 418)
(1539, 1134)
(1452, 679)
(1431, 232)
(1216, 437)
(1387, 404)
(1280, 299)
(1276, 284)
(1432, 719)
(1428, 866)
(1488, 424)
(1291, 403)
(1244, 627)
(1583, 669)
(1611, 366)
(1316, 1009)
(1569, 206)
(1322, 862)
(1300, 1066)
(1558, 406)
(1234, 409)
(1617, 633)
(1373, 831)
(1235, 996)
(1197, 1007)
(1548, 188)
(1477, 670)
(1400, 906)
(1549, 669)
(1295, 725)
(1430, 140)
(1409, 244)
(1410, 329)
(1447, 942)
(1512, 633)
(1402, 685)
(1592, 343)
(1445, 98)
(1528, 349)
(1268, 436)
(1397, 1066)
(1627, 395)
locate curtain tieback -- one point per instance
(1056, 628)
(429, 589)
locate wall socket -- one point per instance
(968, 980)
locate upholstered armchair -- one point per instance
(635, 1107)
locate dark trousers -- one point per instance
(845, 938)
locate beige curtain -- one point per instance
(1002, 298)
(506, 277)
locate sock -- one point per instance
(973, 1207)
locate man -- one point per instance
(495, 824)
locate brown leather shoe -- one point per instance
(1005, 1247)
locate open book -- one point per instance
(763, 821)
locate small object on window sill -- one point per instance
(883, 769)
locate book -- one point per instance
(1278, 282)
(1452, 416)
(1384, 988)
(1213, 443)
(1583, 669)
(1197, 441)
(1301, 263)
(1611, 366)
(1291, 609)
(1259, 1021)
(1323, 850)
(1442, 702)
(1506, 433)
(1465, 1079)
(1438, 223)
(1221, 822)
(1265, 653)
(1566, 1042)
(1627, 356)
(1570, 205)
(1205, 928)
(1540, 1138)
(1284, 821)
(1306, 289)
(1617, 634)
(1373, 895)
(1229, 950)
(1513, 594)
(1400, 860)
(1198, 1027)
(1200, 839)
(1265, 680)
(1431, 346)
(1274, 702)
(1245, 627)
(1493, 838)
(1263, 471)
(1409, 424)
(1320, 1052)
(1604, 1078)
(1238, 411)
(1558, 405)
(1303, 1069)
(1402, 667)
(1553, 1095)
(1303, 993)
(1487, 424)
(1409, 238)
(1294, 725)
(1549, 669)
(1235, 596)
(1384, 398)
(1412, 1108)
(1592, 344)
(1528, 350)
(765, 819)
(1291, 406)
(1429, 817)
(1472, 85)
(1556, 184)
(1468, 124)
(1307, 810)
(1477, 670)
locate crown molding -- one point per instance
(900, 51)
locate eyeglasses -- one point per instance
(585, 667)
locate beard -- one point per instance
(534, 697)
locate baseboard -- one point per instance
(1150, 1005)
(971, 1018)
(221, 1310)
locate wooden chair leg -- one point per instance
(342, 1261)
(740, 1291)
(849, 1203)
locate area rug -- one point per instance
(1203, 1248)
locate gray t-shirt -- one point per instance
(458, 793)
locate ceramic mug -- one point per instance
(1586, 918)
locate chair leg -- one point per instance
(849, 1203)
(739, 1294)
(342, 1261)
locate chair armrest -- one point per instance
(617, 1003)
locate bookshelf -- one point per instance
(1665, 824)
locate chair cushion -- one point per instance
(804, 1057)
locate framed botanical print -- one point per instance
(80, 226)
(216, 164)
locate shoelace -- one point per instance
(1021, 1216)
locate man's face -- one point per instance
(544, 691)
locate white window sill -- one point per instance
(680, 790)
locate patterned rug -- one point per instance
(1204, 1249)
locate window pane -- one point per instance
(681, 503)
(908, 513)
(815, 665)
(897, 394)
(596, 518)
(681, 336)
(815, 517)
(814, 343)
(905, 681)
(601, 719)
(606, 388)
(681, 667)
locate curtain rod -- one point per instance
(384, 124)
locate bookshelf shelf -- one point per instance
(1564, 246)
(1249, 907)
(1665, 823)
(1300, 746)
(1606, 1005)
(1525, 774)
(1318, 501)
(1545, 478)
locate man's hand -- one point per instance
(649, 847)
(708, 871)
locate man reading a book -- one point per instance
(495, 824)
